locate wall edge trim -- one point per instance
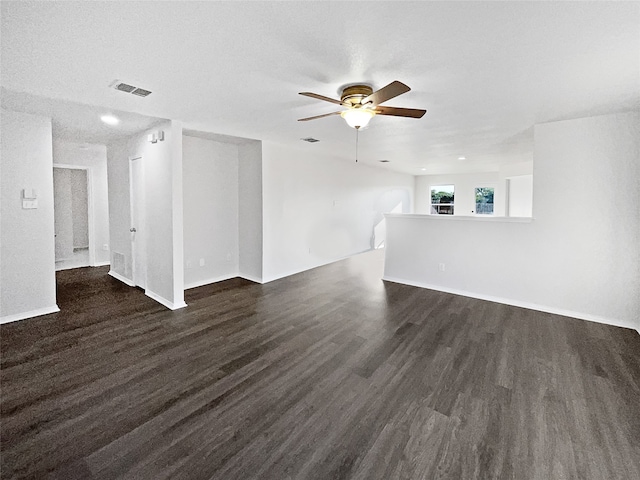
(30, 314)
(516, 303)
(251, 278)
(164, 301)
(289, 273)
(208, 281)
(122, 278)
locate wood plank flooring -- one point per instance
(329, 374)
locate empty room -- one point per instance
(320, 240)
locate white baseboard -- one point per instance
(322, 263)
(208, 281)
(70, 267)
(101, 264)
(164, 301)
(33, 313)
(516, 303)
(251, 278)
(123, 279)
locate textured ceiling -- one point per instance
(485, 71)
(75, 122)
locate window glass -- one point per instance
(442, 199)
(484, 201)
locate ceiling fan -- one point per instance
(363, 104)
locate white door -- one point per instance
(137, 230)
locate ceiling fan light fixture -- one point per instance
(358, 117)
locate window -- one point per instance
(442, 199)
(484, 201)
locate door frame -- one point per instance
(90, 202)
(131, 215)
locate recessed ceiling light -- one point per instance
(462, 158)
(384, 161)
(310, 140)
(110, 119)
(423, 169)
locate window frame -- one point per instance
(436, 206)
(475, 203)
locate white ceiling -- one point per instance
(485, 71)
(75, 122)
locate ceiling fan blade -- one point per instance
(319, 116)
(392, 90)
(400, 112)
(321, 97)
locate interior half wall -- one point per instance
(579, 254)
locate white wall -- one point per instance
(516, 169)
(222, 209)
(465, 194)
(210, 210)
(94, 157)
(62, 213)
(119, 208)
(163, 210)
(27, 257)
(520, 196)
(518, 181)
(579, 256)
(80, 208)
(250, 210)
(317, 209)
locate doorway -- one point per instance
(72, 217)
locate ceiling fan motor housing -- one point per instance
(363, 103)
(354, 94)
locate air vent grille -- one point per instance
(310, 140)
(125, 87)
(141, 92)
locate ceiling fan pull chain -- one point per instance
(357, 130)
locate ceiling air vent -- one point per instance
(141, 92)
(125, 87)
(310, 140)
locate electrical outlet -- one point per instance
(441, 267)
(189, 263)
(202, 262)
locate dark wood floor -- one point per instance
(329, 374)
